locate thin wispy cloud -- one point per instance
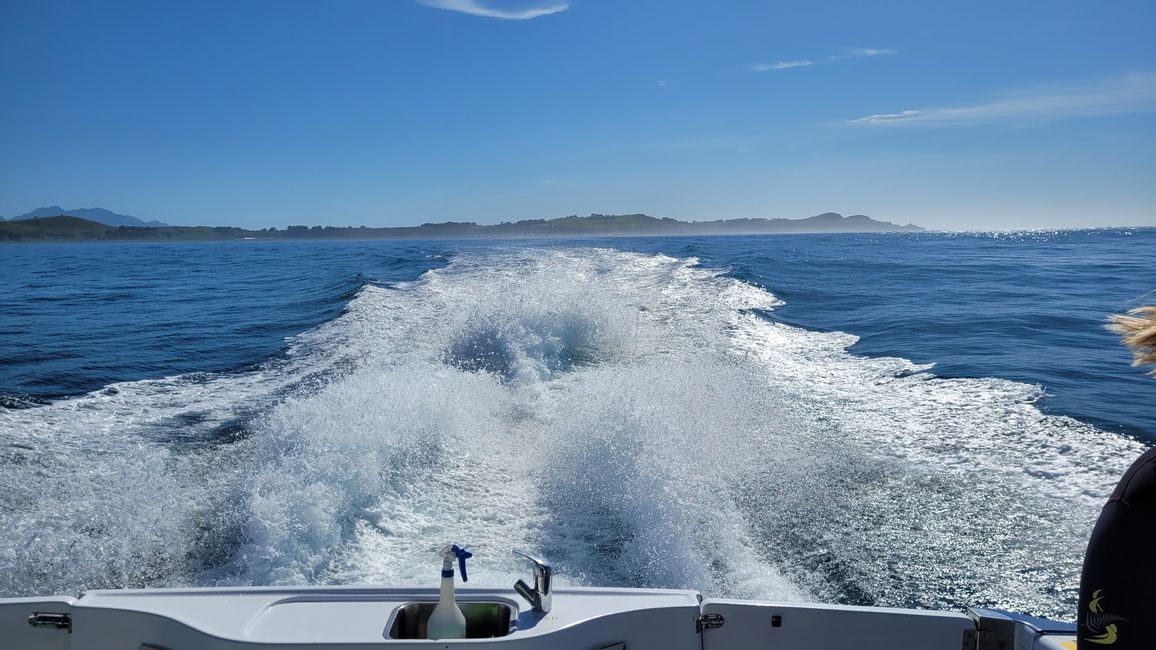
(478, 8)
(781, 65)
(1130, 94)
(862, 53)
(857, 53)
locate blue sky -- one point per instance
(389, 112)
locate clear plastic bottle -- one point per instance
(447, 620)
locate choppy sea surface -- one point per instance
(921, 420)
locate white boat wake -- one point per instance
(638, 419)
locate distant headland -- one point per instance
(99, 215)
(97, 224)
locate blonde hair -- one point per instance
(1138, 331)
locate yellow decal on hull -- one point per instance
(1107, 638)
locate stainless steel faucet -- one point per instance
(539, 595)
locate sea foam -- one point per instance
(638, 419)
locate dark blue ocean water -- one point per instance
(1026, 306)
(923, 420)
(79, 317)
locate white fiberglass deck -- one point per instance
(594, 619)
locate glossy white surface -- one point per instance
(358, 616)
(355, 618)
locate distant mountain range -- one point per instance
(826, 222)
(72, 228)
(99, 215)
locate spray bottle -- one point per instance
(447, 620)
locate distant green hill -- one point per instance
(99, 215)
(64, 228)
(77, 229)
(52, 228)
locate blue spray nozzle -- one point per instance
(462, 554)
